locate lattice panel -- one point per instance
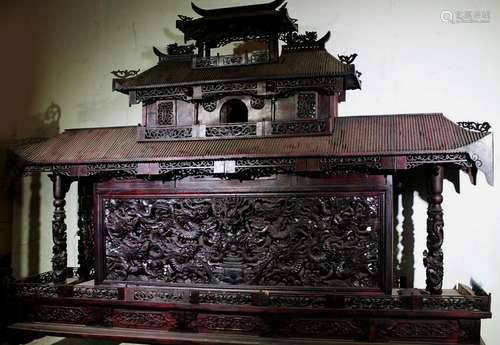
(166, 114)
(306, 105)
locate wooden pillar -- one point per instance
(207, 49)
(59, 250)
(196, 113)
(86, 261)
(199, 46)
(433, 256)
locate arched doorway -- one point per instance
(233, 111)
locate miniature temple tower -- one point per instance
(243, 208)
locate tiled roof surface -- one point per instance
(291, 64)
(352, 136)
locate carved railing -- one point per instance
(236, 130)
(231, 60)
(41, 286)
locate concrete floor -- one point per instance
(74, 341)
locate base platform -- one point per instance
(182, 315)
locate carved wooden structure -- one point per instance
(243, 209)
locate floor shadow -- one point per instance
(78, 341)
(41, 125)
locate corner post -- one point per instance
(59, 249)
(433, 256)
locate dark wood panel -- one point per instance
(302, 232)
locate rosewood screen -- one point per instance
(313, 239)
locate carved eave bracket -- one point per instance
(309, 40)
(481, 153)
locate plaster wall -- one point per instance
(414, 56)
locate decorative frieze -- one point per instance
(237, 130)
(300, 127)
(413, 161)
(168, 133)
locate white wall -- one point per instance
(411, 61)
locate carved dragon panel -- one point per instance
(282, 240)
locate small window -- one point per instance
(234, 111)
(166, 113)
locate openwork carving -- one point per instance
(36, 290)
(475, 126)
(230, 323)
(209, 105)
(95, 292)
(237, 130)
(159, 295)
(166, 113)
(181, 169)
(211, 90)
(413, 161)
(299, 127)
(115, 168)
(141, 319)
(297, 301)
(79, 315)
(453, 303)
(230, 60)
(374, 302)
(168, 133)
(341, 165)
(179, 92)
(336, 328)
(257, 102)
(276, 241)
(306, 105)
(224, 297)
(255, 168)
(421, 329)
(286, 86)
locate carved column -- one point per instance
(59, 250)
(86, 232)
(433, 256)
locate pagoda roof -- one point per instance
(268, 6)
(222, 25)
(292, 64)
(353, 136)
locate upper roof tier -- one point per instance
(306, 63)
(219, 26)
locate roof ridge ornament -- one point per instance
(125, 73)
(347, 59)
(306, 41)
(483, 127)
